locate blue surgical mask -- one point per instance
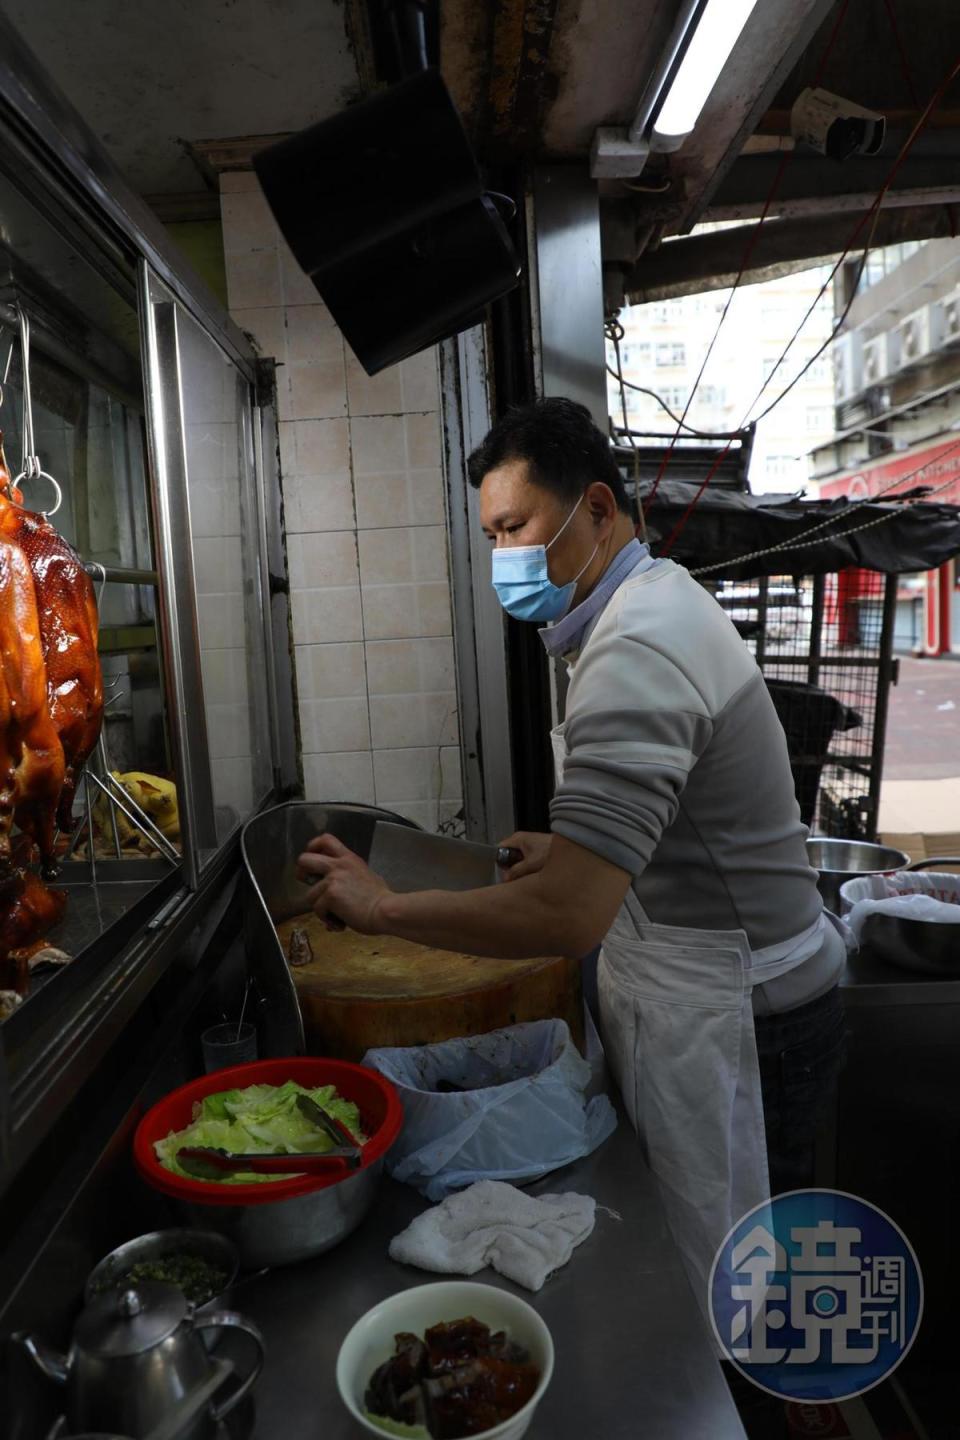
(523, 584)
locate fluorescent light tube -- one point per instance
(717, 32)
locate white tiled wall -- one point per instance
(366, 538)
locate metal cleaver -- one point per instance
(415, 860)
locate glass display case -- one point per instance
(153, 415)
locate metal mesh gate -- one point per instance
(824, 645)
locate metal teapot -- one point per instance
(137, 1362)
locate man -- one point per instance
(675, 840)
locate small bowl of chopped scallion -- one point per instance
(201, 1263)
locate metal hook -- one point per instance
(33, 472)
(97, 565)
(32, 469)
(6, 368)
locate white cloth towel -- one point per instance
(491, 1223)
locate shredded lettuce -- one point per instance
(260, 1119)
(397, 1427)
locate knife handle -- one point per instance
(508, 855)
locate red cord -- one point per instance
(904, 62)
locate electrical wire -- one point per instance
(748, 252)
(838, 325)
(695, 501)
(690, 429)
(661, 189)
(904, 62)
(614, 332)
(871, 216)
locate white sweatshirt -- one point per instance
(677, 771)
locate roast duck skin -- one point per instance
(68, 636)
(51, 709)
(33, 761)
(28, 909)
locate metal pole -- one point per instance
(119, 574)
(887, 669)
(763, 585)
(816, 629)
(102, 746)
(88, 806)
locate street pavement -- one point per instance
(921, 773)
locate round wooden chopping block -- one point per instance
(360, 992)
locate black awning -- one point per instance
(726, 526)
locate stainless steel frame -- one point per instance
(276, 587)
(478, 622)
(566, 305)
(568, 291)
(179, 628)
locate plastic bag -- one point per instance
(926, 896)
(518, 1110)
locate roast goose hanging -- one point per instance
(51, 710)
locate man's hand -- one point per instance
(534, 848)
(347, 889)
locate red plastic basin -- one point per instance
(381, 1116)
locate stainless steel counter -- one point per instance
(633, 1355)
(868, 981)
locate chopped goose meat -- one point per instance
(459, 1380)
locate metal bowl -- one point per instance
(924, 946)
(206, 1244)
(919, 945)
(284, 1231)
(841, 860)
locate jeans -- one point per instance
(801, 1054)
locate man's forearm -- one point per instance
(514, 921)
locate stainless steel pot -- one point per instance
(280, 1232)
(924, 946)
(841, 860)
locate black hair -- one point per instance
(563, 448)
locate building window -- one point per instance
(671, 354)
(713, 395)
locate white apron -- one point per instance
(677, 1027)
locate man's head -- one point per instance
(541, 465)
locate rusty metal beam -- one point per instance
(496, 60)
(711, 262)
(808, 176)
(852, 204)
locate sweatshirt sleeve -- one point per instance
(635, 727)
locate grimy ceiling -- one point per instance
(533, 80)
